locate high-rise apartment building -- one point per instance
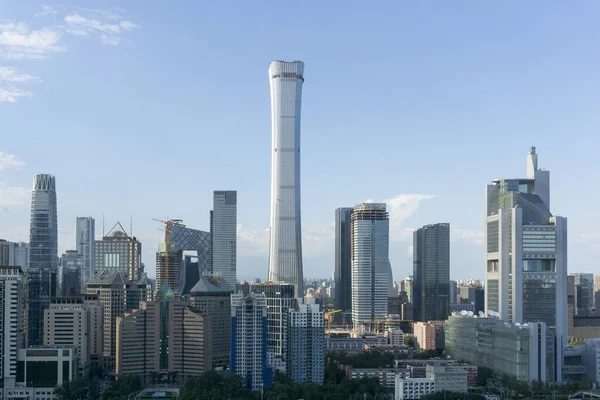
(211, 296)
(86, 240)
(76, 321)
(306, 344)
(431, 272)
(71, 263)
(343, 258)
(280, 298)
(224, 235)
(43, 254)
(285, 253)
(249, 339)
(526, 254)
(12, 322)
(117, 295)
(168, 267)
(118, 252)
(371, 268)
(14, 254)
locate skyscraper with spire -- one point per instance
(526, 254)
(43, 254)
(285, 253)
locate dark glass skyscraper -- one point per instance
(43, 254)
(343, 258)
(431, 272)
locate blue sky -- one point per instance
(144, 110)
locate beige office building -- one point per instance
(76, 321)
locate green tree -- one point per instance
(409, 340)
(483, 375)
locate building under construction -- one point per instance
(168, 267)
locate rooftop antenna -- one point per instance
(103, 225)
(131, 225)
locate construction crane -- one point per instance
(168, 223)
(329, 316)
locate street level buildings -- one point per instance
(285, 253)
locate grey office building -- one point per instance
(14, 254)
(343, 258)
(71, 263)
(188, 239)
(371, 270)
(431, 272)
(43, 254)
(86, 231)
(224, 235)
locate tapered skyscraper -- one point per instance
(285, 254)
(43, 254)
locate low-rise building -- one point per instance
(448, 377)
(396, 337)
(424, 334)
(353, 344)
(413, 388)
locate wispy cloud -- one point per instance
(13, 195)
(467, 235)
(108, 32)
(18, 42)
(9, 161)
(9, 81)
(45, 10)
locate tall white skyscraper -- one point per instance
(86, 231)
(526, 254)
(285, 253)
(223, 226)
(12, 322)
(371, 270)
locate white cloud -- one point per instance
(467, 235)
(410, 250)
(252, 242)
(13, 195)
(46, 10)
(400, 208)
(9, 161)
(9, 78)
(17, 42)
(108, 32)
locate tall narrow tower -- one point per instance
(285, 254)
(43, 254)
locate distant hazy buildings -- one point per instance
(306, 344)
(584, 294)
(12, 323)
(526, 253)
(71, 263)
(14, 254)
(43, 254)
(249, 339)
(431, 272)
(224, 235)
(119, 252)
(86, 232)
(343, 258)
(371, 268)
(285, 254)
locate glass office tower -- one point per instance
(285, 253)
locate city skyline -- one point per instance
(493, 94)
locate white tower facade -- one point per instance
(285, 253)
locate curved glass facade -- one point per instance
(285, 254)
